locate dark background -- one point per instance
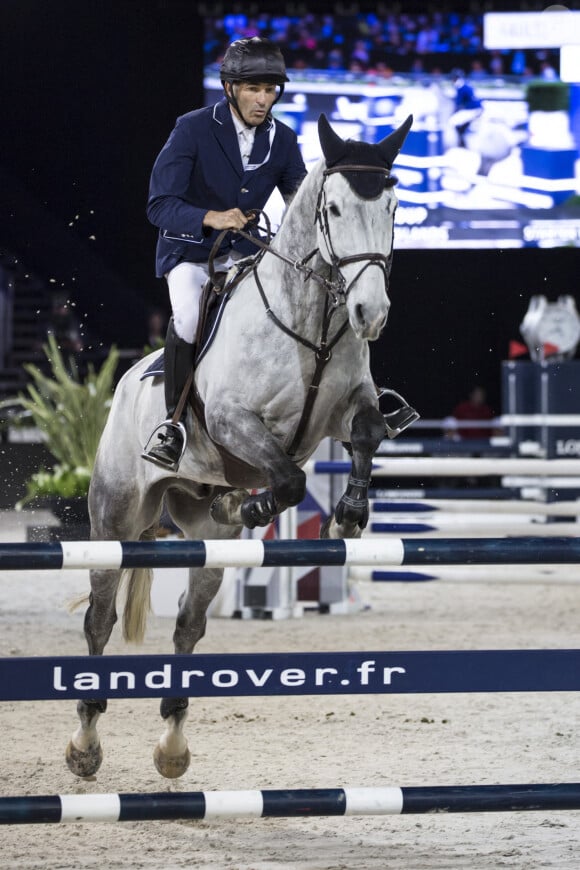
(90, 91)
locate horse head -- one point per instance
(355, 221)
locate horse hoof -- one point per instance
(171, 766)
(225, 508)
(331, 530)
(83, 763)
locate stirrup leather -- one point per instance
(179, 427)
(401, 418)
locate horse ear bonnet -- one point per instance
(337, 151)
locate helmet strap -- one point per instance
(233, 101)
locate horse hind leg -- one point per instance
(171, 755)
(84, 754)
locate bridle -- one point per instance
(341, 289)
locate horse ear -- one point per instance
(392, 144)
(333, 147)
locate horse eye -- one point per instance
(334, 209)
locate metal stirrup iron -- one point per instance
(401, 418)
(175, 423)
(168, 425)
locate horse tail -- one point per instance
(74, 603)
(137, 582)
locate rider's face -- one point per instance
(254, 101)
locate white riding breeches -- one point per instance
(186, 282)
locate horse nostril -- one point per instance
(360, 314)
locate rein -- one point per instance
(331, 287)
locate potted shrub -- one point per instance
(70, 413)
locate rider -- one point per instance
(219, 163)
(468, 106)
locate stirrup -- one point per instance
(401, 418)
(166, 424)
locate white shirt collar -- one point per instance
(248, 137)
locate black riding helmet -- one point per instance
(253, 60)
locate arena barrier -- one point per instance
(258, 553)
(481, 518)
(288, 803)
(527, 574)
(289, 674)
(539, 420)
(461, 493)
(485, 518)
(468, 504)
(454, 467)
(481, 527)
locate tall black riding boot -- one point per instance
(178, 362)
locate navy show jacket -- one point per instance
(200, 169)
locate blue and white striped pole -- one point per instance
(257, 553)
(287, 803)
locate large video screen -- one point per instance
(492, 160)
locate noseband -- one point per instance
(338, 288)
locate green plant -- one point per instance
(71, 413)
(59, 481)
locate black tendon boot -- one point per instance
(170, 437)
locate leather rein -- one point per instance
(336, 288)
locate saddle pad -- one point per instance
(214, 312)
(155, 369)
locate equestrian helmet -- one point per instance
(253, 60)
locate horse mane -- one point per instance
(303, 190)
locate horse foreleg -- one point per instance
(84, 753)
(352, 511)
(239, 507)
(240, 432)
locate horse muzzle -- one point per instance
(366, 322)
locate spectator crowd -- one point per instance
(420, 43)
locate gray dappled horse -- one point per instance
(288, 367)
